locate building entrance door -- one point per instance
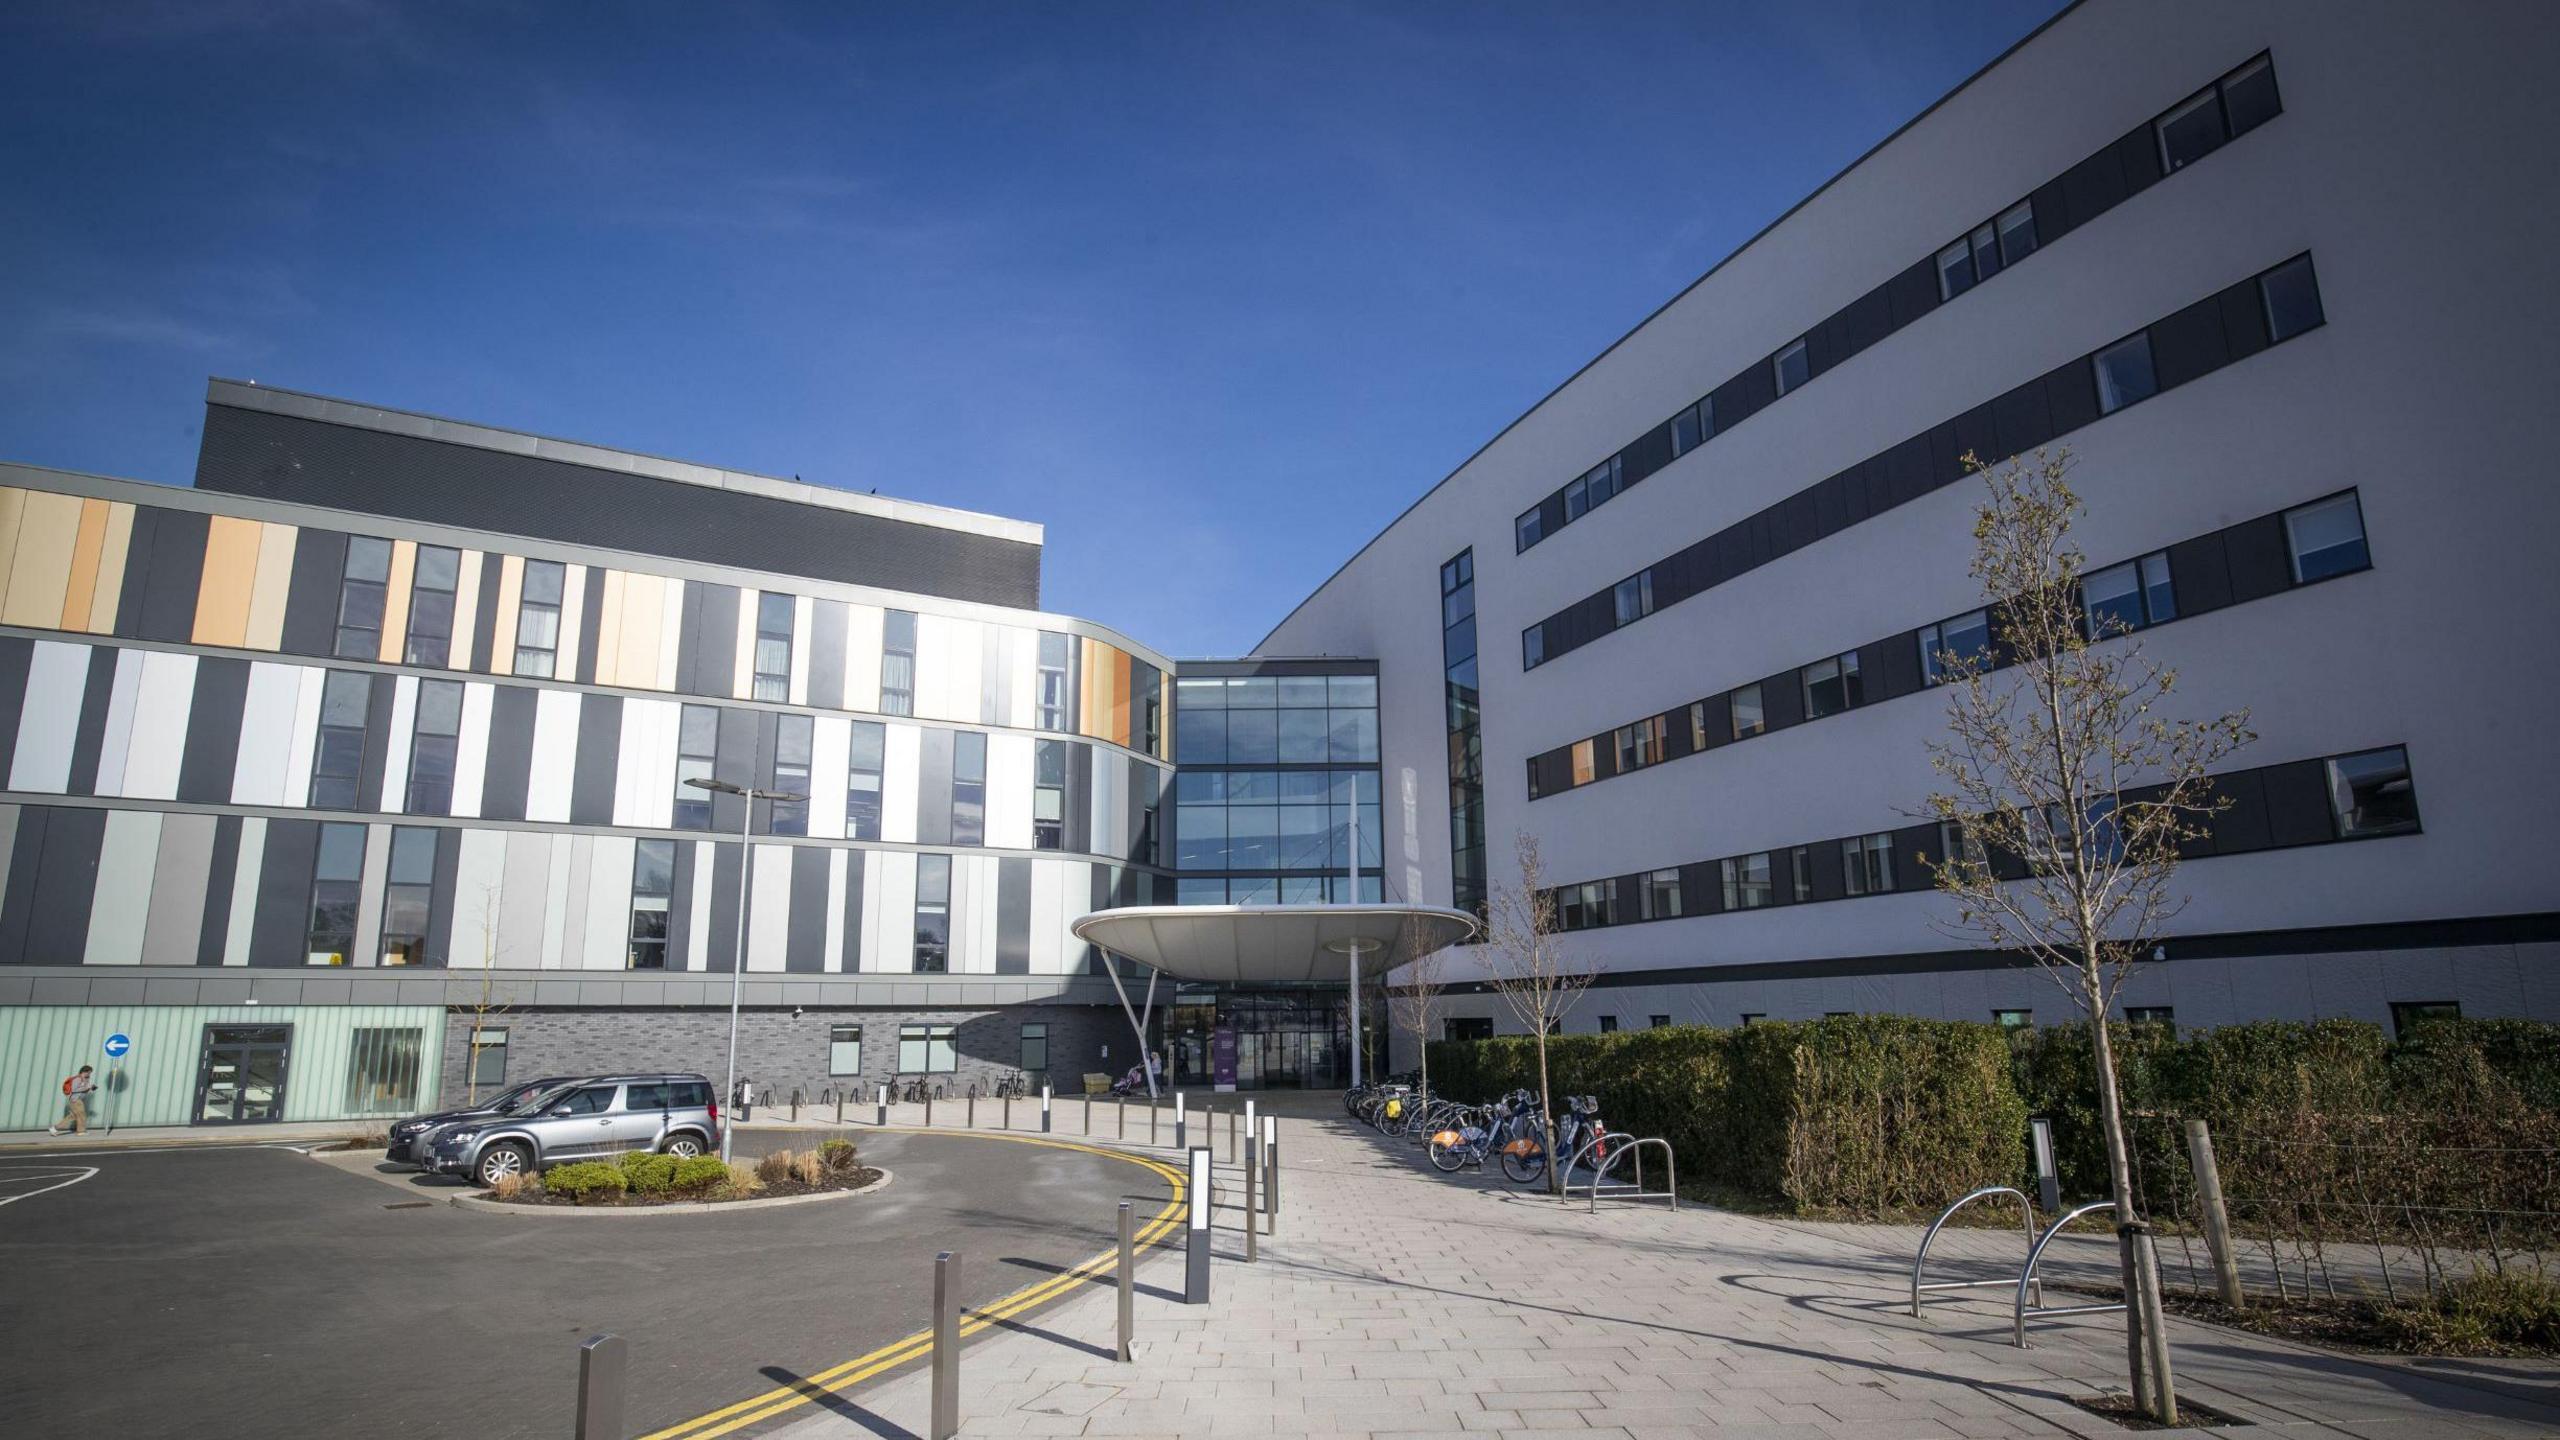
(241, 1078)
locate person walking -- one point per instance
(75, 1103)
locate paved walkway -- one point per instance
(1396, 1301)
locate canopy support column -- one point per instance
(1137, 1024)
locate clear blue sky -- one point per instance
(1211, 290)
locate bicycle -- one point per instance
(1505, 1127)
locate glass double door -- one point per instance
(241, 1078)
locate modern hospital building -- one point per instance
(357, 769)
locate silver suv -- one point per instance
(595, 1118)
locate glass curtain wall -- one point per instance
(1269, 768)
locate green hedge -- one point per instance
(1878, 1113)
(586, 1180)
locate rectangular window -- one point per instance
(653, 881)
(927, 1050)
(1053, 681)
(1800, 871)
(337, 888)
(2326, 537)
(844, 1050)
(1657, 1022)
(1955, 648)
(2017, 226)
(1791, 367)
(2407, 1015)
(1049, 795)
(1833, 685)
(538, 618)
(410, 896)
(1528, 529)
(1035, 1046)
(2370, 793)
(363, 591)
(2014, 1019)
(337, 755)
(2124, 373)
(1749, 718)
(773, 646)
(1608, 1024)
(933, 915)
(898, 663)
(2191, 130)
(1601, 482)
(793, 736)
(434, 741)
(1586, 762)
(968, 788)
(2128, 597)
(488, 1058)
(1985, 243)
(1661, 895)
(1634, 597)
(2249, 96)
(2158, 1017)
(862, 787)
(697, 748)
(1746, 882)
(2292, 297)
(1641, 744)
(1689, 429)
(431, 586)
(1867, 863)
(1955, 270)
(1577, 498)
(1533, 647)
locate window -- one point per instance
(1833, 685)
(773, 647)
(1746, 882)
(1800, 871)
(362, 593)
(1689, 428)
(1533, 647)
(933, 915)
(862, 785)
(538, 618)
(1528, 529)
(1049, 795)
(337, 756)
(1791, 367)
(2292, 296)
(1657, 1022)
(2124, 373)
(926, 1050)
(2326, 538)
(1962, 847)
(434, 743)
(898, 663)
(337, 888)
(968, 788)
(1749, 718)
(2017, 226)
(1751, 1018)
(488, 1058)
(844, 1049)
(1985, 244)
(2370, 794)
(1608, 1024)
(792, 738)
(1967, 637)
(1955, 270)
(1035, 1046)
(2162, 1018)
(410, 896)
(1867, 863)
(2408, 1014)
(1640, 744)
(697, 748)
(1635, 597)
(1659, 895)
(1591, 489)
(2014, 1019)
(431, 585)
(653, 880)
(2124, 598)
(1459, 1027)
(1053, 681)
(2249, 96)
(1586, 765)
(2192, 130)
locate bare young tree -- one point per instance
(1528, 970)
(1418, 1006)
(491, 1003)
(2068, 793)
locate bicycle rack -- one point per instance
(1599, 1186)
(1922, 1255)
(2021, 1309)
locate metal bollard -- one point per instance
(884, 1105)
(973, 1107)
(1088, 1112)
(1233, 1154)
(928, 1109)
(604, 1367)
(1044, 1109)
(795, 1104)
(1251, 1221)
(1181, 1124)
(946, 1345)
(1128, 1277)
(1152, 1110)
(1124, 1117)
(1271, 1169)
(1008, 1110)
(1195, 1279)
(840, 1104)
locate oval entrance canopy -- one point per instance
(1274, 944)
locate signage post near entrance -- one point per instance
(1222, 1058)
(118, 1046)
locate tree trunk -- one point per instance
(2146, 1334)
(1547, 1116)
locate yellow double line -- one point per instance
(920, 1344)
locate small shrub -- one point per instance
(838, 1154)
(587, 1182)
(743, 1180)
(699, 1175)
(776, 1168)
(2481, 1313)
(519, 1186)
(809, 1168)
(649, 1174)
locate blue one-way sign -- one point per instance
(118, 1044)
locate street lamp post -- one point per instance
(748, 795)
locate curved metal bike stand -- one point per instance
(1599, 1188)
(2021, 1309)
(1921, 1257)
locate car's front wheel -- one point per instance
(501, 1160)
(684, 1147)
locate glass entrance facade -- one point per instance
(1292, 1037)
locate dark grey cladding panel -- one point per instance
(1013, 917)
(710, 647)
(280, 933)
(440, 938)
(66, 878)
(89, 741)
(720, 949)
(599, 756)
(853, 957)
(16, 653)
(683, 889)
(174, 566)
(510, 768)
(933, 790)
(221, 872)
(828, 621)
(312, 462)
(805, 943)
(213, 730)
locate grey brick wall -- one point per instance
(779, 1050)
